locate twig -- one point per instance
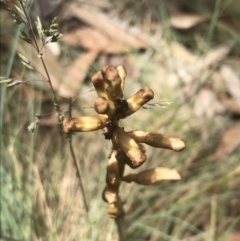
(55, 102)
(69, 137)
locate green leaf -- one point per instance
(15, 82)
(25, 37)
(28, 65)
(56, 37)
(55, 20)
(17, 18)
(5, 80)
(40, 29)
(54, 26)
(47, 33)
(23, 58)
(10, 82)
(20, 11)
(25, 61)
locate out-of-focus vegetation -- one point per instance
(188, 53)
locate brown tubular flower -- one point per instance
(113, 179)
(158, 140)
(137, 101)
(84, 123)
(114, 83)
(127, 146)
(122, 73)
(101, 105)
(100, 86)
(123, 158)
(152, 176)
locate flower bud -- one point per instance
(158, 140)
(111, 76)
(137, 101)
(113, 80)
(129, 146)
(84, 123)
(104, 68)
(122, 73)
(101, 105)
(99, 85)
(104, 106)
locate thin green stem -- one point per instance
(49, 80)
(214, 20)
(75, 162)
(55, 102)
(29, 24)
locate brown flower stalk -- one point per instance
(127, 146)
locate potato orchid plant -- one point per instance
(127, 147)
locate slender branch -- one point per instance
(75, 161)
(56, 105)
(49, 80)
(29, 24)
(57, 108)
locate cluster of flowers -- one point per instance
(127, 146)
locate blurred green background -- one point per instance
(188, 53)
